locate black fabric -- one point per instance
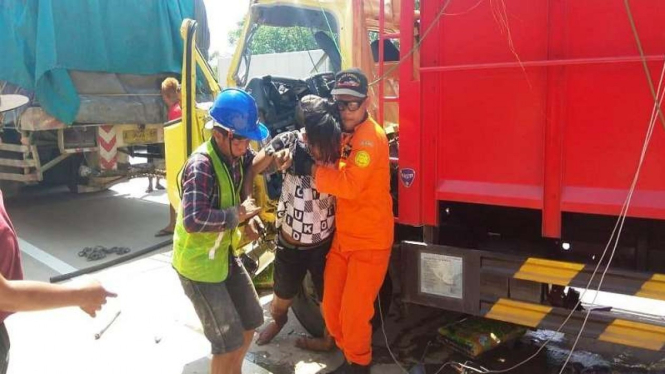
(302, 161)
(292, 264)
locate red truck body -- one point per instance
(537, 104)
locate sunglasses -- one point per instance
(235, 138)
(351, 106)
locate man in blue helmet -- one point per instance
(215, 201)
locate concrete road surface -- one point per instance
(157, 330)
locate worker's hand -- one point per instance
(283, 159)
(92, 296)
(254, 228)
(302, 161)
(247, 210)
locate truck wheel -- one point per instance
(307, 310)
(72, 172)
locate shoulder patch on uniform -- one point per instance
(363, 159)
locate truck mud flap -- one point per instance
(510, 288)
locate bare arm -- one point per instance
(20, 296)
(261, 162)
(278, 148)
(247, 190)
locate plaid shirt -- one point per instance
(200, 193)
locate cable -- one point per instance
(626, 206)
(331, 30)
(415, 47)
(385, 337)
(636, 34)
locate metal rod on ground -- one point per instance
(119, 260)
(102, 331)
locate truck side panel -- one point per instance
(541, 105)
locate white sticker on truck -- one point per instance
(441, 275)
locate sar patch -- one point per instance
(362, 159)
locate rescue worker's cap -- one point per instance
(350, 82)
(235, 111)
(9, 102)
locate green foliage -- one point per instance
(270, 39)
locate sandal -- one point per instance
(163, 232)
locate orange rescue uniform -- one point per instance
(360, 252)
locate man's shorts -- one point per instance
(291, 266)
(226, 309)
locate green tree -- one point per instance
(270, 39)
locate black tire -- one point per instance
(73, 178)
(307, 308)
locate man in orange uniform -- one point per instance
(358, 259)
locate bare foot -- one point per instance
(268, 334)
(325, 344)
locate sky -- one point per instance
(223, 16)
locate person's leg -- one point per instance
(168, 230)
(279, 309)
(366, 273)
(223, 363)
(246, 302)
(316, 263)
(240, 357)
(334, 281)
(222, 324)
(149, 189)
(290, 270)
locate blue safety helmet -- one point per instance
(235, 110)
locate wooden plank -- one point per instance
(13, 147)
(18, 163)
(19, 177)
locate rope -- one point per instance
(415, 47)
(636, 34)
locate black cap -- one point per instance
(350, 82)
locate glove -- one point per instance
(302, 162)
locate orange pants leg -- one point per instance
(366, 271)
(334, 281)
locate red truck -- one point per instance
(522, 127)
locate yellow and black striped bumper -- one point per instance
(489, 283)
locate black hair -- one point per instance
(322, 126)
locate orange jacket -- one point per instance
(361, 183)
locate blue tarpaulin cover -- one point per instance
(40, 40)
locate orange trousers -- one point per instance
(352, 281)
